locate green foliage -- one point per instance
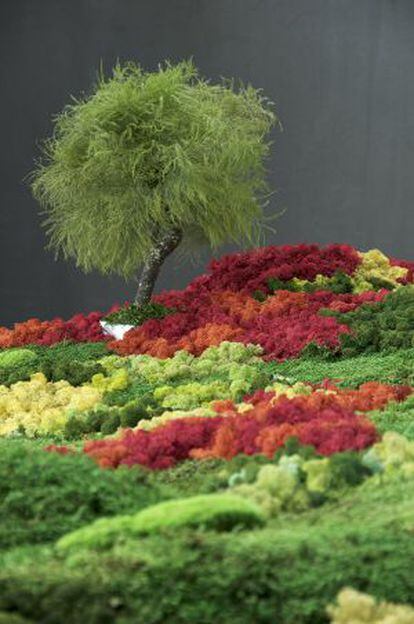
(286, 573)
(73, 362)
(339, 283)
(146, 152)
(75, 372)
(133, 314)
(106, 419)
(386, 326)
(45, 495)
(347, 469)
(184, 381)
(10, 358)
(131, 413)
(298, 481)
(217, 512)
(230, 360)
(398, 417)
(16, 365)
(137, 390)
(193, 477)
(66, 352)
(396, 367)
(111, 424)
(391, 458)
(212, 475)
(12, 618)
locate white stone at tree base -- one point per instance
(116, 330)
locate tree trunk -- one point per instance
(163, 247)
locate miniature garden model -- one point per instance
(245, 452)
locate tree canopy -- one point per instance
(150, 152)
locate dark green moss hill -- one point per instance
(284, 573)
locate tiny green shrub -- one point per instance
(133, 314)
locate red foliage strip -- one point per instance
(248, 271)
(333, 429)
(369, 396)
(326, 421)
(158, 449)
(218, 306)
(283, 325)
(80, 328)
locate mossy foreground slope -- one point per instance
(245, 453)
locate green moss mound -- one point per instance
(286, 573)
(45, 495)
(218, 512)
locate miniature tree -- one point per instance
(149, 160)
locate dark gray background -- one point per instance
(339, 71)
